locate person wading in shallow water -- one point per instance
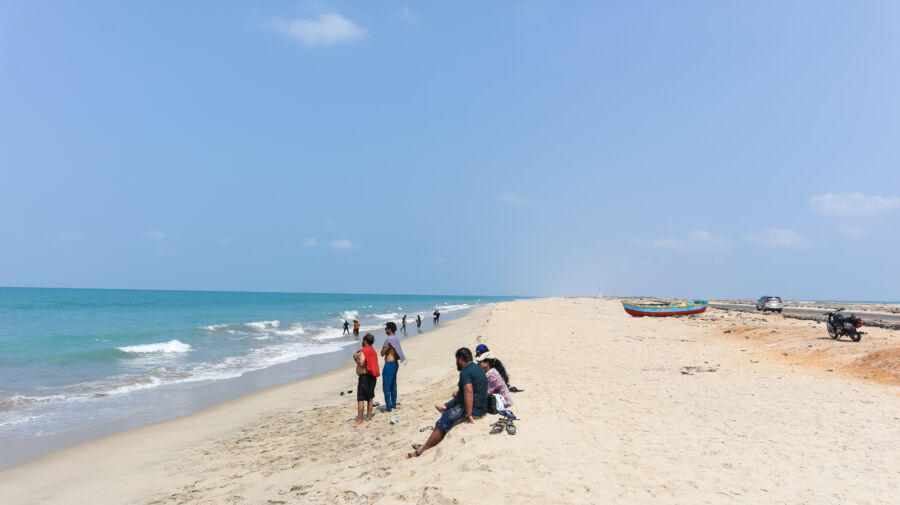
(437, 316)
(419, 321)
(393, 355)
(403, 323)
(468, 402)
(355, 327)
(367, 370)
(346, 328)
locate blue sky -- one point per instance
(692, 149)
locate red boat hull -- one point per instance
(637, 313)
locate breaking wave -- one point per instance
(170, 346)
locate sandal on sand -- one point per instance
(515, 389)
(496, 429)
(417, 446)
(511, 428)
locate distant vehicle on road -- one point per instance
(769, 303)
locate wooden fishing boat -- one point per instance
(665, 309)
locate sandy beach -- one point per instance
(722, 407)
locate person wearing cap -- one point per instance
(481, 349)
(496, 376)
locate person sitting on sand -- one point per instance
(469, 402)
(367, 369)
(496, 377)
(481, 349)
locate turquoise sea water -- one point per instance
(72, 358)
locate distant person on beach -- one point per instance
(437, 316)
(468, 402)
(403, 323)
(393, 355)
(496, 377)
(355, 327)
(346, 327)
(367, 372)
(419, 321)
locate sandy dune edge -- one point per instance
(615, 409)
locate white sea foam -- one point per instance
(453, 308)
(20, 401)
(170, 346)
(253, 326)
(147, 383)
(330, 333)
(391, 315)
(263, 325)
(349, 315)
(295, 330)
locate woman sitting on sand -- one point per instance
(496, 376)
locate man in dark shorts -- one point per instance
(367, 369)
(468, 402)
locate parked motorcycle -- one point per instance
(840, 324)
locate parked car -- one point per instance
(769, 303)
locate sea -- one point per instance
(76, 364)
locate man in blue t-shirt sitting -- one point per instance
(468, 402)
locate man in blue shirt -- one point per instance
(469, 401)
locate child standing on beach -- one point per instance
(367, 370)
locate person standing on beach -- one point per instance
(403, 323)
(469, 402)
(437, 316)
(346, 327)
(419, 321)
(393, 355)
(367, 372)
(355, 328)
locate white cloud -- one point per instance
(407, 14)
(852, 230)
(342, 244)
(512, 199)
(311, 242)
(697, 240)
(158, 235)
(326, 30)
(778, 237)
(850, 204)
